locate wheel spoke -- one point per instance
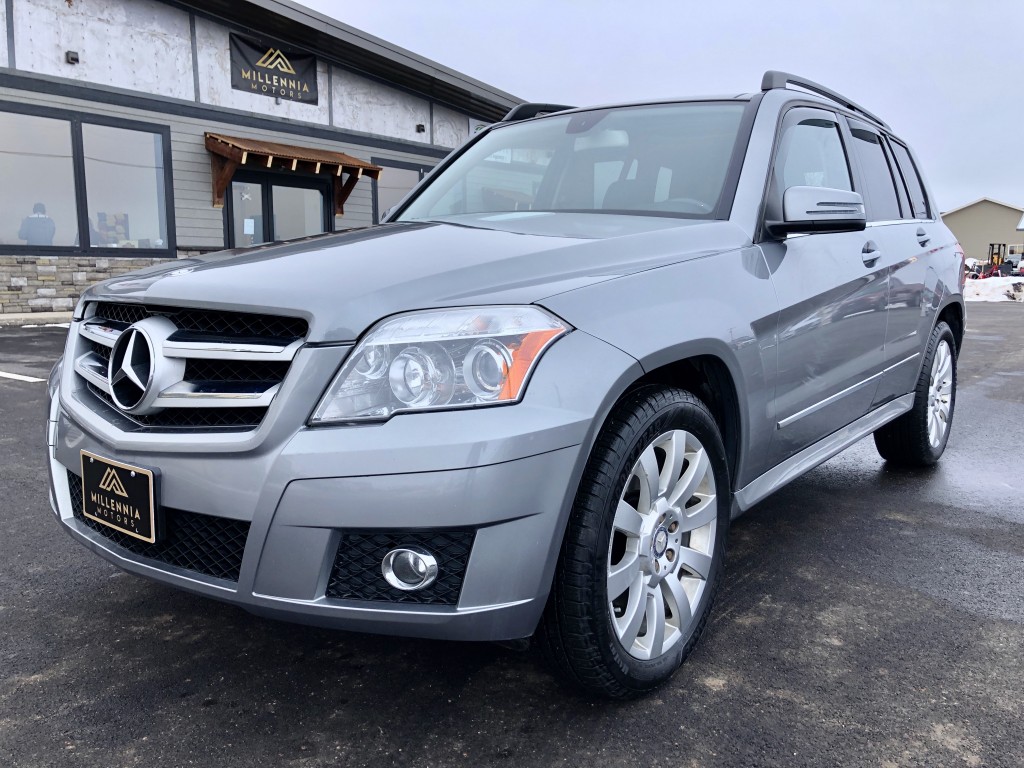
(678, 601)
(655, 637)
(675, 457)
(701, 513)
(629, 624)
(623, 575)
(695, 561)
(628, 520)
(694, 475)
(647, 470)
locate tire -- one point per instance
(649, 522)
(919, 436)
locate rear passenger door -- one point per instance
(832, 295)
(899, 226)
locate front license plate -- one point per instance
(119, 496)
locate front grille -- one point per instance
(209, 545)
(241, 324)
(235, 371)
(356, 574)
(235, 363)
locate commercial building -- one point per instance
(135, 131)
(984, 223)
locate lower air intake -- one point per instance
(356, 574)
(212, 546)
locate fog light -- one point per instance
(409, 569)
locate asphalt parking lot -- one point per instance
(869, 616)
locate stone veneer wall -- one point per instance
(54, 283)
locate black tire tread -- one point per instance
(563, 639)
(904, 440)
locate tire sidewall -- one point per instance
(940, 333)
(689, 415)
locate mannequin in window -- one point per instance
(37, 229)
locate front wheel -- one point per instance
(644, 550)
(919, 436)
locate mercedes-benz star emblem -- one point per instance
(131, 368)
(660, 541)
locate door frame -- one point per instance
(271, 178)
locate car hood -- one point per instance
(345, 282)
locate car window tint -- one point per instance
(918, 199)
(811, 155)
(880, 200)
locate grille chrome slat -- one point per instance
(229, 350)
(105, 333)
(192, 395)
(93, 369)
(233, 361)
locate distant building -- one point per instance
(136, 131)
(983, 222)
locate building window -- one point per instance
(124, 180)
(75, 183)
(395, 181)
(38, 205)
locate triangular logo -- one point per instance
(274, 59)
(111, 482)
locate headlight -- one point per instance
(439, 359)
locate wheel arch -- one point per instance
(952, 313)
(708, 377)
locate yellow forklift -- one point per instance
(996, 260)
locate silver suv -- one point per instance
(532, 401)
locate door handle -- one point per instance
(922, 237)
(870, 253)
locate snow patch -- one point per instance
(995, 289)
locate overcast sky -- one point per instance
(947, 75)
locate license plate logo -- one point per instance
(119, 496)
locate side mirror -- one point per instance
(819, 209)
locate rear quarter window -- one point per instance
(919, 208)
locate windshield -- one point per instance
(664, 160)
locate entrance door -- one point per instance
(265, 208)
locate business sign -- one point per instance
(272, 71)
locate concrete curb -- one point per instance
(34, 318)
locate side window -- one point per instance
(880, 200)
(918, 199)
(811, 155)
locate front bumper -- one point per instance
(505, 475)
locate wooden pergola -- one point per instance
(229, 153)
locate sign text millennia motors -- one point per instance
(271, 71)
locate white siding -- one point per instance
(212, 42)
(141, 45)
(370, 107)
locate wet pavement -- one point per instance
(868, 616)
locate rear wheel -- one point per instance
(918, 437)
(644, 549)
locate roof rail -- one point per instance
(526, 111)
(774, 79)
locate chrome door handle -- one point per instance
(922, 237)
(870, 253)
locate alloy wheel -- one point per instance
(661, 546)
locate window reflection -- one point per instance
(37, 197)
(124, 178)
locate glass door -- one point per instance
(246, 214)
(268, 207)
(298, 212)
